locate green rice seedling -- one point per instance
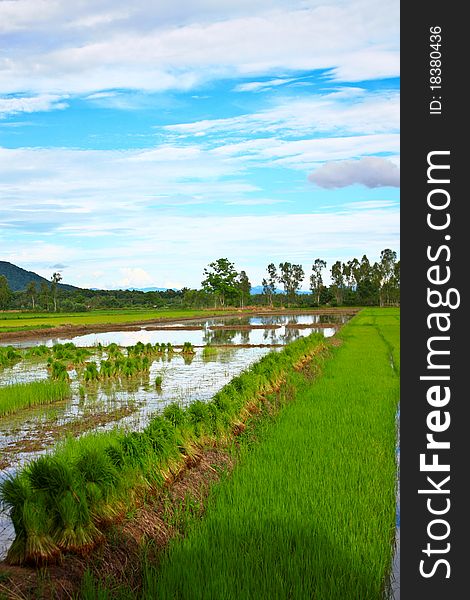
(15, 491)
(91, 372)
(169, 348)
(274, 531)
(209, 352)
(162, 438)
(199, 417)
(100, 476)
(9, 356)
(188, 348)
(40, 548)
(25, 395)
(40, 351)
(58, 371)
(158, 382)
(175, 414)
(106, 369)
(58, 486)
(113, 349)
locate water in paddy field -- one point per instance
(130, 403)
(279, 330)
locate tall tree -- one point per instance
(387, 271)
(5, 293)
(244, 286)
(31, 293)
(221, 280)
(44, 295)
(55, 279)
(269, 284)
(338, 281)
(316, 280)
(291, 276)
(367, 285)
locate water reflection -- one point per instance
(240, 334)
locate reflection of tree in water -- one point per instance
(245, 336)
(271, 336)
(219, 336)
(293, 319)
(291, 334)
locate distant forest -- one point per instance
(357, 282)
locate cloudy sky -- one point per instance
(140, 141)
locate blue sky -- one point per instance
(141, 141)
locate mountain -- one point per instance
(151, 289)
(19, 278)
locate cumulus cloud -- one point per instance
(135, 277)
(371, 171)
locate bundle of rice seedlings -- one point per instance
(40, 548)
(58, 371)
(175, 414)
(91, 372)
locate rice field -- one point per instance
(15, 397)
(10, 321)
(60, 502)
(310, 510)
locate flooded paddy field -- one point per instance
(235, 343)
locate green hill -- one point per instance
(19, 278)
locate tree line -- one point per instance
(357, 282)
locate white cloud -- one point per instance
(351, 111)
(370, 171)
(160, 46)
(257, 86)
(177, 248)
(135, 277)
(29, 104)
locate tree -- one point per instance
(244, 286)
(387, 271)
(56, 277)
(44, 295)
(31, 293)
(221, 280)
(6, 294)
(338, 281)
(316, 280)
(291, 277)
(269, 284)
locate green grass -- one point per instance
(26, 320)
(25, 395)
(310, 511)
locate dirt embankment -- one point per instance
(75, 330)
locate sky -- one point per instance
(140, 141)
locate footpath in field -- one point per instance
(310, 510)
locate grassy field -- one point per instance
(17, 321)
(25, 395)
(310, 511)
